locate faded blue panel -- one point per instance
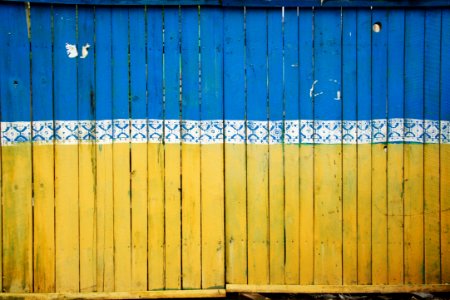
(137, 63)
(256, 65)
(364, 59)
(432, 63)
(211, 27)
(190, 63)
(379, 65)
(291, 63)
(234, 68)
(349, 64)
(327, 65)
(155, 63)
(42, 66)
(86, 71)
(275, 58)
(445, 67)
(396, 63)
(306, 63)
(103, 40)
(65, 68)
(120, 62)
(414, 57)
(172, 63)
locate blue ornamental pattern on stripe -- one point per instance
(229, 131)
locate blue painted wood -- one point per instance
(42, 65)
(155, 63)
(349, 62)
(445, 66)
(364, 60)
(291, 63)
(234, 80)
(190, 63)
(306, 63)
(275, 64)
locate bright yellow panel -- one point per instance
(445, 212)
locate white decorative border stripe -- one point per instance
(230, 131)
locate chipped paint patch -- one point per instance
(338, 95)
(71, 50)
(84, 50)
(311, 90)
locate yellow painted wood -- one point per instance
(445, 212)
(191, 219)
(122, 217)
(379, 214)
(156, 241)
(257, 214)
(213, 236)
(364, 214)
(139, 216)
(337, 289)
(105, 214)
(431, 213)
(173, 216)
(236, 213)
(44, 218)
(395, 213)
(306, 214)
(328, 214)
(349, 214)
(87, 183)
(276, 202)
(17, 218)
(413, 237)
(292, 213)
(1, 222)
(66, 218)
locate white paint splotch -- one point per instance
(84, 50)
(311, 90)
(71, 50)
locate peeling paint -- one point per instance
(71, 50)
(338, 95)
(84, 50)
(311, 90)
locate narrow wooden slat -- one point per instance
(431, 149)
(43, 155)
(17, 273)
(413, 153)
(66, 155)
(257, 154)
(172, 149)
(364, 26)
(349, 152)
(291, 150)
(121, 150)
(138, 132)
(395, 109)
(103, 112)
(155, 150)
(327, 158)
(276, 162)
(306, 151)
(86, 158)
(379, 147)
(235, 156)
(190, 151)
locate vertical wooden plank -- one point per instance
(306, 148)
(257, 147)
(212, 166)
(276, 162)
(16, 158)
(445, 148)
(364, 132)
(43, 155)
(66, 151)
(86, 157)
(327, 158)
(395, 107)
(413, 153)
(190, 150)
(431, 147)
(235, 149)
(138, 104)
(104, 133)
(121, 149)
(156, 243)
(379, 147)
(349, 149)
(291, 151)
(172, 147)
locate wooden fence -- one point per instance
(188, 150)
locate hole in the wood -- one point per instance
(376, 27)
